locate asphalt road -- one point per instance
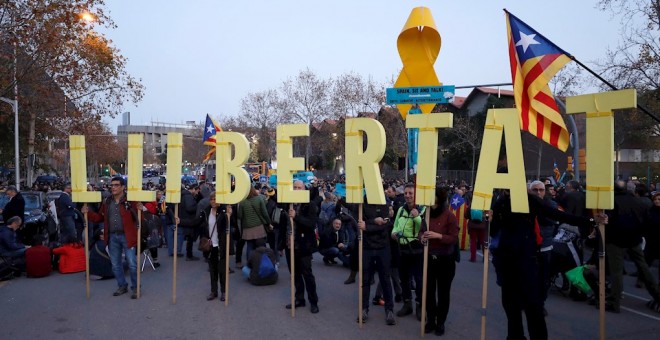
(56, 307)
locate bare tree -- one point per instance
(261, 112)
(306, 100)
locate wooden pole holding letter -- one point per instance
(484, 284)
(139, 249)
(227, 240)
(361, 268)
(86, 231)
(79, 191)
(601, 280)
(176, 252)
(425, 272)
(292, 263)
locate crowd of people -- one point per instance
(393, 240)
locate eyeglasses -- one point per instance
(538, 189)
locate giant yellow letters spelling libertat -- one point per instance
(226, 166)
(287, 164)
(498, 120)
(362, 165)
(428, 125)
(134, 166)
(600, 141)
(79, 191)
(174, 156)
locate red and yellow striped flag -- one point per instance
(534, 61)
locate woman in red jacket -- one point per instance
(442, 235)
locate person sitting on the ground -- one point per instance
(99, 260)
(9, 246)
(334, 244)
(261, 269)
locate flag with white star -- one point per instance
(456, 201)
(210, 129)
(534, 61)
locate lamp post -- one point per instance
(14, 104)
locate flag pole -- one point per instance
(640, 107)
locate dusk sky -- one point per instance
(203, 56)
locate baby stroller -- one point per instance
(567, 253)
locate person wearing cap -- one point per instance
(15, 206)
(65, 214)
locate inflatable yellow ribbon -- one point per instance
(419, 46)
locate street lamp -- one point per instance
(14, 105)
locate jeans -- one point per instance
(377, 261)
(334, 252)
(169, 238)
(117, 246)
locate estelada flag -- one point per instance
(534, 61)
(458, 207)
(211, 127)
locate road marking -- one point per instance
(640, 313)
(637, 297)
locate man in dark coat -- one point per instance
(189, 221)
(516, 263)
(304, 217)
(15, 206)
(624, 234)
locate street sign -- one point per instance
(420, 94)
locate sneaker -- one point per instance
(389, 318)
(120, 291)
(365, 316)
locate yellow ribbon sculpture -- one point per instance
(419, 45)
